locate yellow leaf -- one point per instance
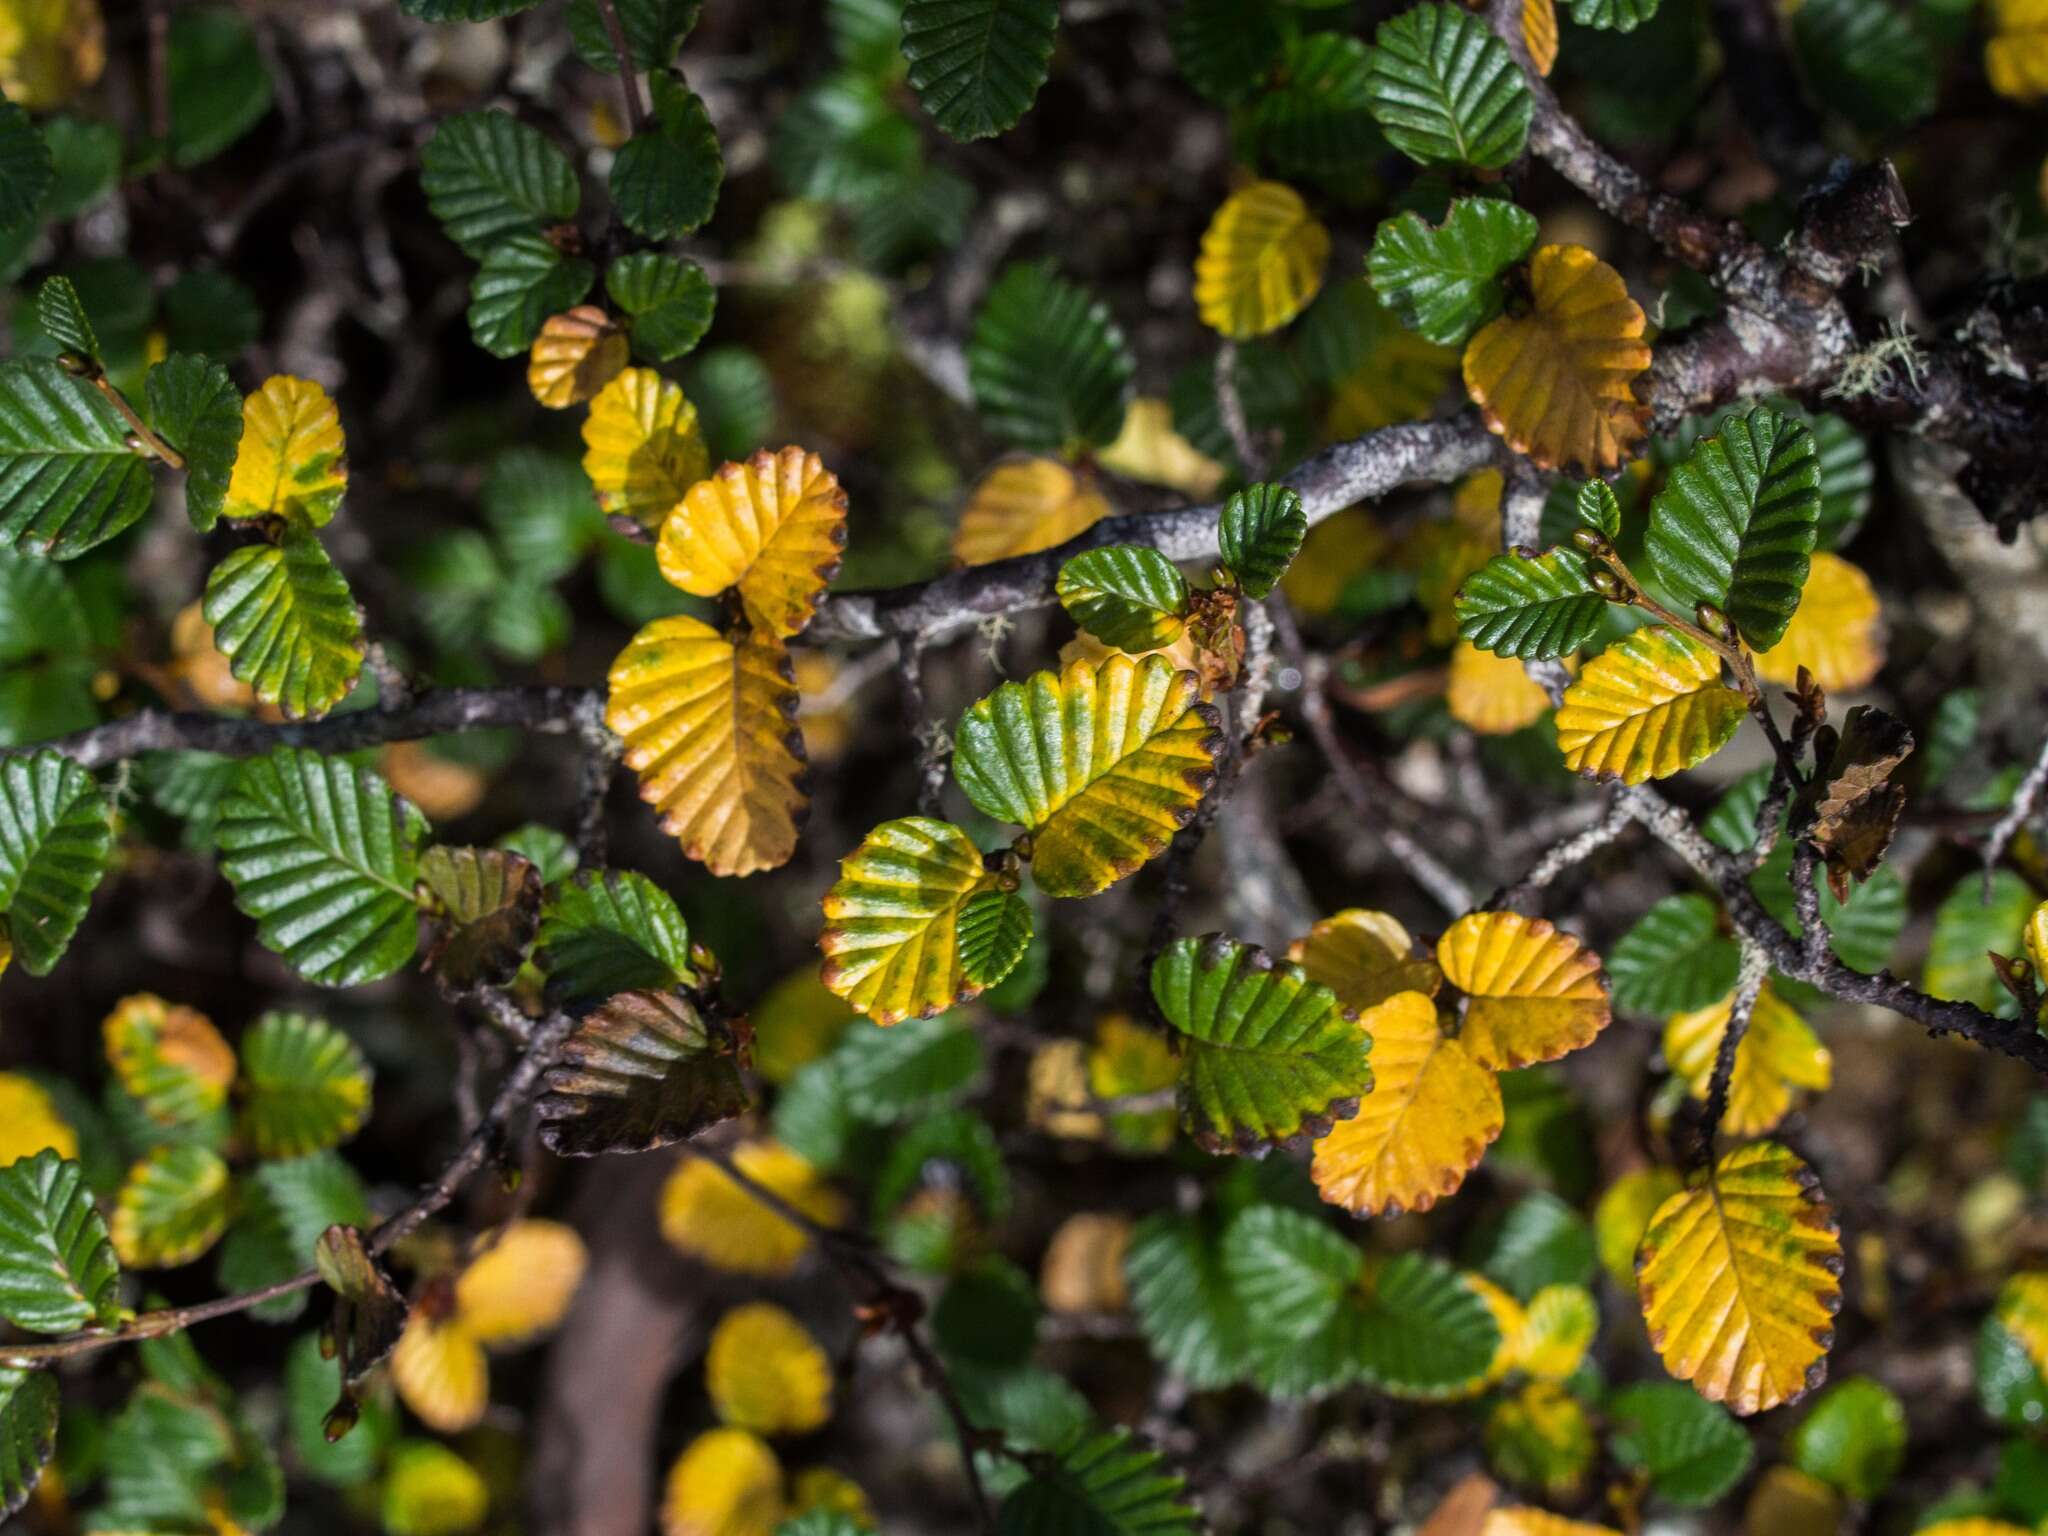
(796, 1021)
(710, 728)
(726, 1483)
(2037, 939)
(1128, 1059)
(168, 1058)
(1539, 33)
(1508, 1317)
(173, 1206)
(1534, 993)
(773, 527)
(1789, 1502)
(519, 1282)
(1083, 1268)
(1025, 505)
(1526, 1521)
(1057, 1098)
(50, 50)
(765, 1373)
(827, 1489)
(29, 1121)
(575, 355)
(1147, 449)
(1558, 381)
(429, 1491)
(1779, 1054)
(1835, 633)
(2022, 1310)
(1540, 1437)
(1740, 1280)
(1557, 1329)
(1336, 552)
(1430, 1117)
(1492, 695)
(1365, 958)
(1623, 1215)
(710, 1217)
(2016, 54)
(1261, 261)
(892, 920)
(440, 1372)
(1647, 706)
(642, 447)
(292, 462)
(1973, 1525)
(1398, 379)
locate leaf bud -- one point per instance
(1593, 542)
(1715, 623)
(1606, 583)
(341, 1418)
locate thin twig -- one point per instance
(1749, 981)
(2024, 799)
(629, 77)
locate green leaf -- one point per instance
(1260, 532)
(1613, 15)
(1446, 90)
(1226, 48)
(324, 857)
(977, 64)
(542, 509)
(1692, 1450)
(1861, 930)
(670, 301)
(2022, 1484)
(194, 406)
(822, 1522)
(28, 1433)
(994, 932)
(521, 282)
(62, 316)
(952, 1149)
(1445, 281)
(1868, 61)
(889, 1074)
(26, 171)
(645, 1070)
(1105, 1483)
(1423, 1332)
(209, 312)
(85, 155)
(486, 908)
(311, 1391)
(1967, 926)
(1048, 365)
(1128, 596)
(55, 836)
(1675, 959)
(488, 175)
(1319, 122)
(844, 141)
(284, 617)
(68, 479)
(1531, 607)
(57, 1267)
(1191, 1315)
(306, 1086)
(654, 30)
(1853, 1438)
(1291, 1272)
(1596, 507)
(464, 10)
(312, 1194)
(1846, 476)
(665, 178)
(2009, 1387)
(1737, 522)
(603, 932)
(1541, 1242)
(735, 397)
(1269, 1056)
(219, 85)
(173, 1206)
(988, 1316)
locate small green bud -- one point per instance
(1715, 623)
(1593, 542)
(341, 1418)
(1606, 583)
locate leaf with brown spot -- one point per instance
(1856, 807)
(575, 355)
(645, 1070)
(486, 907)
(369, 1313)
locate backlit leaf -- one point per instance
(709, 1216)
(1128, 596)
(994, 932)
(1531, 607)
(891, 941)
(642, 1071)
(1446, 281)
(1102, 764)
(1648, 706)
(487, 175)
(441, 1374)
(1024, 505)
(1261, 261)
(665, 179)
(57, 1267)
(977, 64)
(1836, 632)
(1675, 958)
(642, 447)
(764, 1372)
(1049, 366)
(68, 480)
(773, 527)
(170, 1060)
(1534, 992)
(1492, 695)
(292, 462)
(1365, 958)
(285, 619)
(1558, 382)
(1446, 90)
(55, 838)
(306, 1086)
(173, 1206)
(1557, 1329)
(1268, 1055)
(575, 355)
(726, 1483)
(194, 406)
(1779, 1053)
(1740, 1280)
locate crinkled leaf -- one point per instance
(194, 406)
(1225, 48)
(995, 931)
(642, 447)
(58, 1272)
(1261, 261)
(1024, 505)
(173, 1206)
(1106, 1483)
(1531, 607)
(1690, 1449)
(1446, 281)
(55, 838)
(285, 619)
(1648, 706)
(522, 280)
(1048, 364)
(487, 175)
(1128, 596)
(293, 459)
(1869, 61)
(1613, 15)
(61, 313)
(665, 179)
(486, 908)
(575, 355)
(1596, 507)
(654, 30)
(28, 1433)
(772, 527)
(1260, 533)
(306, 1086)
(1446, 90)
(1534, 992)
(169, 1060)
(977, 64)
(68, 480)
(644, 1070)
(1318, 120)
(1675, 958)
(606, 931)
(670, 302)
(1192, 1317)
(892, 941)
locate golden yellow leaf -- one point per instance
(1534, 992)
(1261, 261)
(1558, 381)
(1557, 1328)
(1399, 381)
(1492, 695)
(1057, 1098)
(428, 1491)
(293, 460)
(1430, 1117)
(1740, 1280)
(168, 1058)
(50, 50)
(441, 1373)
(575, 355)
(1443, 555)
(773, 527)
(1508, 1317)
(1365, 958)
(2037, 939)
(1789, 1502)
(710, 728)
(1648, 706)
(2016, 54)
(1973, 1525)
(1336, 552)
(642, 447)
(1779, 1054)
(2022, 1310)
(710, 1217)
(6, 947)
(1623, 1215)
(518, 1284)
(727, 1482)
(30, 1121)
(825, 1488)
(1128, 1059)
(796, 1021)
(1539, 33)
(892, 920)
(1836, 632)
(1083, 1267)
(1024, 505)
(764, 1372)
(1148, 449)
(1523, 1520)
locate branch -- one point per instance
(1749, 984)
(2024, 800)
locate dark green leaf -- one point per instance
(487, 175)
(86, 155)
(977, 64)
(28, 1433)
(1596, 507)
(57, 1267)
(642, 1071)
(1319, 122)
(194, 406)
(603, 932)
(1049, 366)
(26, 170)
(994, 932)
(1692, 1450)
(1868, 61)
(1675, 959)
(654, 30)
(665, 178)
(542, 509)
(55, 835)
(843, 141)
(1445, 281)
(867, 35)
(1446, 90)
(1260, 532)
(1226, 48)
(208, 311)
(464, 10)
(951, 1149)
(219, 84)
(1613, 15)
(988, 1316)
(735, 397)
(68, 479)
(311, 1389)
(1128, 596)
(1531, 607)
(1107, 1483)
(64, 320)
(670, 301)
(521, 282)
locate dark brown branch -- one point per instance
(629, 78)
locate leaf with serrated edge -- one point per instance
(28, 1433)
(575, 355)
(605, 931)
(1049, 366)
(1101, 763)
(1364, 957)
(1531, 607)
(57, 1266)
(1128, 596)
(169, 1059)
(1104, 1481)
(1534, 992)
(773, 527)
(665, 179)
(488, 175)
(642, 446)
(1259, 533)
(891, 941)
(61, 313)
(194, 406)
(1648, 706)
(1492, 695)
(976, 65)
(1446, 90)
(68, 479)
(1779, 1053)
(1261, 261)
(1740, 1280)
(1596, 507)
(710, 728)
(670, 302)
(306, 1086)
(1024, 505)
(643, 1071)
(285, 619)
(173, 1206)
(1675, 958)
(995, 931)
(487, 904)
(1445, 282)
(55, 837)
(1836, 632)
(293, 460)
